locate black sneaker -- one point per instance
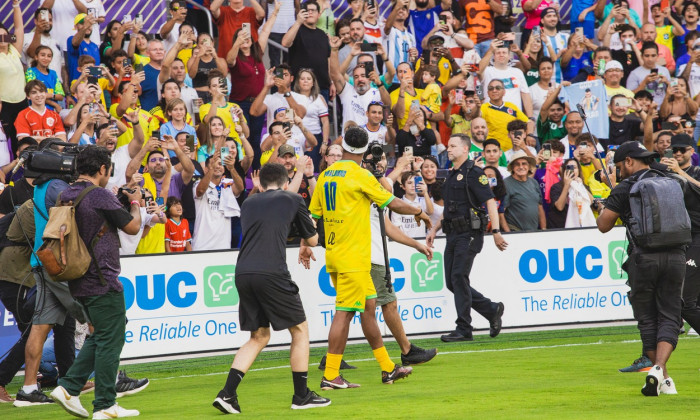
(343, 364)
(311, 400)
(496, 322)
(399, 372)
(455, 336)
(417, 356)
(128, 386)
(226, 404)
(35, 397)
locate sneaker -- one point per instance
(311, 400)
(643, 364)
(692, 332)
(338, 383)
(455, 336)
(496, 323)
(652, 387)
(4, 396)
(113, 412)
(399, 372)
(343, 364)
(70, 403)
(668, 387)
(226, 404)
(417, 356)
(89, 387)
(35, 397)
(128, 386)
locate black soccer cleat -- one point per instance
(129, 386)
(311, 400)
(226, 404)
(417, 356)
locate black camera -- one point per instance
(372, 156)
(49, 162)
(124, 200)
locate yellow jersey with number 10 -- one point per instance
(342, 198)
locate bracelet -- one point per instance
(136, 202)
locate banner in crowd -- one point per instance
(593, 98)
(189, 303)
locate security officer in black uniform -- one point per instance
(465, 191)
(655, 275)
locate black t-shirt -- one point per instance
(17, 194)
(627, 129)
(454, 191)
(421, 143)
(311, 49)
(629, 62)
(304, 190)
(556, 219)
(266, 220)
(692, 200)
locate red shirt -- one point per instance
(247, 78)
(31, 123)
(230, 21)
(177, 235)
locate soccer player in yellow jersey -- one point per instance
(342, 198)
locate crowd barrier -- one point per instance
(188, 303)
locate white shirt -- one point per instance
(539, 95)
(377, 243)
(212, 229)
(129, 243)
(379, 136)
(171, 39)
(120, 159)
(276, 101)
(407, 222)
(514, 81)
(298, 141)
(637, 76)
(355, 105)
(315, 110)
(5, 156)
(187, 94)
(49, 41)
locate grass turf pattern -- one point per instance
(548, 374)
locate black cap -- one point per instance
(548, 10)
(682, 140)
(633, 149)
(436, 38)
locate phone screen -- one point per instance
(279, 73)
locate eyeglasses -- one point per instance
(156, 159)
(680, 149)
(495, 88)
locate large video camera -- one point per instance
(55, 159)
(373, 156)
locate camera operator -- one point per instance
(99, 290)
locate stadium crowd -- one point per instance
(188, 117)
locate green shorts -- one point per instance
(384, 296)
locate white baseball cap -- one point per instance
(613, 65)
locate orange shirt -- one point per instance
(479, 17)
(31, 123)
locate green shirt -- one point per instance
(475, 150)
(548, 130)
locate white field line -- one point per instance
(597, 343)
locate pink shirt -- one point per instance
(532, 19)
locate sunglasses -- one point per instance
(495, 88)
(680, 149)
(376, 103)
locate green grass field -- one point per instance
(552, 374)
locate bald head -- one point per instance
(648, 32)
(479, 131)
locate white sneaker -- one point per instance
(652, 387)
(668, 387)
(69, 402)
(114, 412)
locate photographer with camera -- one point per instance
(465, 191)
(99, 289)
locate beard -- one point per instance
(362, 89)
(422, 4)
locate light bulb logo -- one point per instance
(427, 276)
(220, 286)
(617, 255)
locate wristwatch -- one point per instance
(287, 95)
(495, 230)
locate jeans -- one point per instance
(101, 350)
(656, 283)
(460, 251)
(483, 47)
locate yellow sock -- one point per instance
(332, 366)
(383, 358)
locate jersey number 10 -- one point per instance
(330, 189)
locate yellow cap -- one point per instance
(79, 19)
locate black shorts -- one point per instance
(266, 300)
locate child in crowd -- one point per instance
(40, 71)
(177, 229)
(176, 112)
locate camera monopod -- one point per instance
(595, 148)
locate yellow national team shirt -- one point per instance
(225, 114)
(664, 36)
(146, 121)
(104, 87)
(342, 197)
(498, 118)
(407, 100)
(432, 98)
(444, 68)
